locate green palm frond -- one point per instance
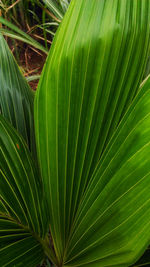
(87, 200)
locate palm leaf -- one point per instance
(92, 75)
(17, 246)
(114, 216)
(16, 98)
(23, 217)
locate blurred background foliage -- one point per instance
(29, 27)
(37, 18)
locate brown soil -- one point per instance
(32, 63)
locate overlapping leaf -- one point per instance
(16, 98)
(17, 246)
(23, 224)
(112, 224)
(92, 74)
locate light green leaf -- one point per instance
(91, 77)
(33, 78)
(16, 98)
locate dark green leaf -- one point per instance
(16, 98)
(18, 247)
(23, 219)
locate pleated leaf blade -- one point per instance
(23, 219)
(91, 76)
(112, 224)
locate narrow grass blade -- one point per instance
(16, 33)
(55, 8)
